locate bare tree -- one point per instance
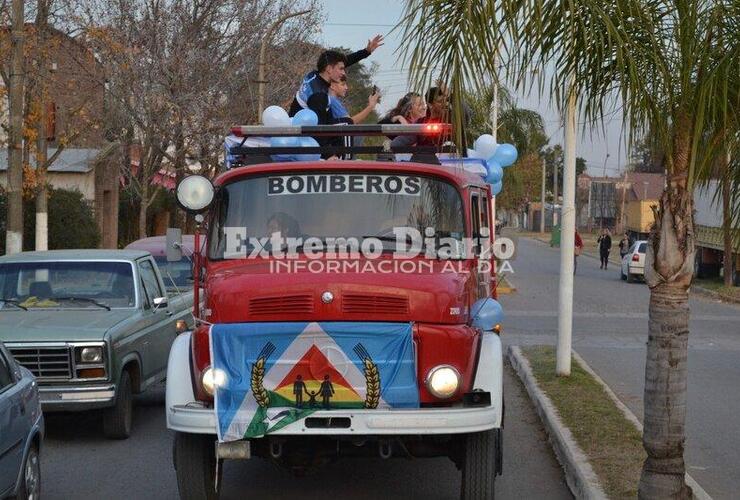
(179, 73)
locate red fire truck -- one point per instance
(343, 308)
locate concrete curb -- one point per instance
(699, 492)
(700, 290)
(579, 475)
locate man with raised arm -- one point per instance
(314, 90)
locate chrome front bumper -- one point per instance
(76, 398)
(427, 421)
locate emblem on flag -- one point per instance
(279, 373)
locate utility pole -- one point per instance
(567, 241)
(554, 195)
(263, 50)
(14, 235)
(494, 128)
(622, 219)
(542, 197)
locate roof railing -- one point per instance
(339, 130)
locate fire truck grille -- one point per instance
(284, 304)
(45, 362)
(374, 304)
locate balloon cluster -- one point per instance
(496, 157)
(275, 116)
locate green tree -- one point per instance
(71, 221)
(673, 64)
(554, 158)
(646, 156)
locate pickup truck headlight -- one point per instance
(212, 378)
(443, 381)
(91, 355)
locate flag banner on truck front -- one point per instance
(271, 375)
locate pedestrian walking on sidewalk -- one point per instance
(605, 245)
(624, 246)
(577, 251)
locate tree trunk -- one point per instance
(14, 235)
(727, 222)
(668, 272)
(42, 216)
(142, 209)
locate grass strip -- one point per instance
(718, 285)
(611, 443)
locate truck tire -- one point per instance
(479, 466)
(30, 486)
(117, 419)
(195, 466)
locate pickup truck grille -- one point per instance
(374, 304)
(283, 304)
(45, 362)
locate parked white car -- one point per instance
(633, 263)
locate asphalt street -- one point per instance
(78, 462)
(610, 332)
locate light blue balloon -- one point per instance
(494, 171)
(284, 142)
(496, 187)
(487, 313)
(305, 118)
(308, 142)
(505, 154)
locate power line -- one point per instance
(361, 24)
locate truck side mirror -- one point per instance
(160, 302)
(174, 244)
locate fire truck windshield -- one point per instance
(335, 205)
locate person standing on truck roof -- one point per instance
(337, 92)
(410, 109)
(314, 90)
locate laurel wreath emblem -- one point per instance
(258, 376)
(259, 391)
(372, 377)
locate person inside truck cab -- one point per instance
(282, 223)
(314, 90)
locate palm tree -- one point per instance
(669, 66)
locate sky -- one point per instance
(350, 23)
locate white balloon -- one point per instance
(485, 145)
(472, 153)
(275, 116)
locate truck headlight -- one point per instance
(91, 355)
(195, 193)
(443, 381)
(211, 379)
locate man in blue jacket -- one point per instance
(314, 90)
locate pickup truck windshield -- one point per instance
(64, 284)
(336, 205)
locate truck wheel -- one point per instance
(195, 464)
(479, 466)
(30, 487)
(117, 420)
